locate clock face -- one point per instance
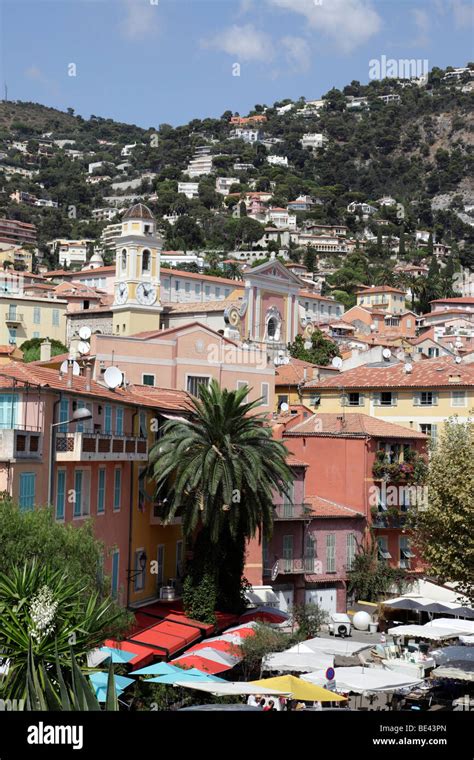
(146, 294)
(121, 293)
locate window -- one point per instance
(242, 384)
(433, 351)
(282, 400)
(385, 398)
(207, 290)
(187, 287)
(81, 493)
(63, 414)
(406, 555)
(355, 399)
(117, 489)
(108, 419)
(218, 292)
(12, 311)
(12, 335)
(382, 546)
(146, 261)
(148, 379)
(37, 315)
(288, 553)
(60, 494)
(194, 382)
(55, 317)
(140, 575)
(330, 552)
(101, 491)
(430, 430)
(458, 398)
(271, 327)
(160, 564)
(27, 490)
(197, 288)
(351, 545)
(179, 559)
(176, 285)
(309, 552)
(124, 260)
(115, 572)
(119, 421)
(77, 493)
(141, 489)
(426, 398)
(227, 293)
(36, 335)
(142, 424)
(265, 394)
(87, 424)
(8, 411)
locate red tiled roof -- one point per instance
(8, 350)
(431, 373)
(461, 299)
(294, 372)
(293, 461)
(325, 508)
(353, 424)
(443, 312)
(365, 289)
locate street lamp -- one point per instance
(78, 415)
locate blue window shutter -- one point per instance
(108, 419)
(27, 490)
(78, 493)
(117, 489)
(63, 414)
(115, 572)
(60, 495)
(101, 492)
(119, 421)
(8, 411)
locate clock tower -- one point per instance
(136, 305)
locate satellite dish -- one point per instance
(85, 332)
(113, 377)
(408, 367)
(284, 407)
(83, 348)
(386, 353)
(337, 362)
(458, 359)
(373, 326)
(76, 370)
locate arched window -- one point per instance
(124, 260)
(146, 261)
(272, 327)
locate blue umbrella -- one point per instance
(118, 655)
(158, 669)
(175, 679)
(101, 693)
(99, 682)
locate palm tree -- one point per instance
(219, 470)
(233, 270)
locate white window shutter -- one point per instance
(376, 398)
(416, 399)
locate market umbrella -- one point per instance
(117, 655)
(186, 676)
(157, 669)
(99, 682)
(299, 689)
(264, 615)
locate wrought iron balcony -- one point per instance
(290, 566)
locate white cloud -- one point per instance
(245, 43)
(422, 22)
(141, 19)
(463, 13)
(298, 53)
(349, 23)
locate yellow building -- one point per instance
(419, 395)
(291, 378)
(383, 297)
(137, 304)
(16, 255)
(162, 545)
(25, 317)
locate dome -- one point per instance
(138, 211)
(95, 261)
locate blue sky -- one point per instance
(153, 61)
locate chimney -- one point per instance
(88, 376)
(70, 369)
(45, 350)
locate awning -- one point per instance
(463, 626)
(457, 674)
(423, 632)
(286, 662)
(330, 646)
(167, 637)
(264, 615)
(206, 665)
(360, 680)
(230, 688)
(299, 689)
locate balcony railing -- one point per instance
(156, 516)
(292, 511)
(290, 566)
(13, 317)
(21, 444)
(100, 447)
(389, 521)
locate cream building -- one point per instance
(137, 304)
(26, 317)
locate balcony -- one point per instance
(18, 444)
(13, 318)
(100, 447)
(292, 512)
(389, 521)
(156, 516)
(287, 566)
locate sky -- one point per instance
(149, 62)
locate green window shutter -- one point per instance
(60, 495)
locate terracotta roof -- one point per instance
(461, 299)
(138, 211)
(293, 461)
(199, 306)
(365, 289)
(310, 294)
(8, 350)
(163, 398)
(431, 373)
(293, 373)
(201, 277)
(443, 312)
(325, 508)
(353, 424)
(81, 272)
(428, 335)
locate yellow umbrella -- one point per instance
(307, 692)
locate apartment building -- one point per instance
(223, 184)
(277, 160)
(25, 317)
(14, 232)
(313, 140)
(71, 252)
(200, 165)
(189, 189)
(18, 257)
(383, 298)
(247, 135)
(104, 214)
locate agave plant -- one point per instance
(42, 614)
(49, 691)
